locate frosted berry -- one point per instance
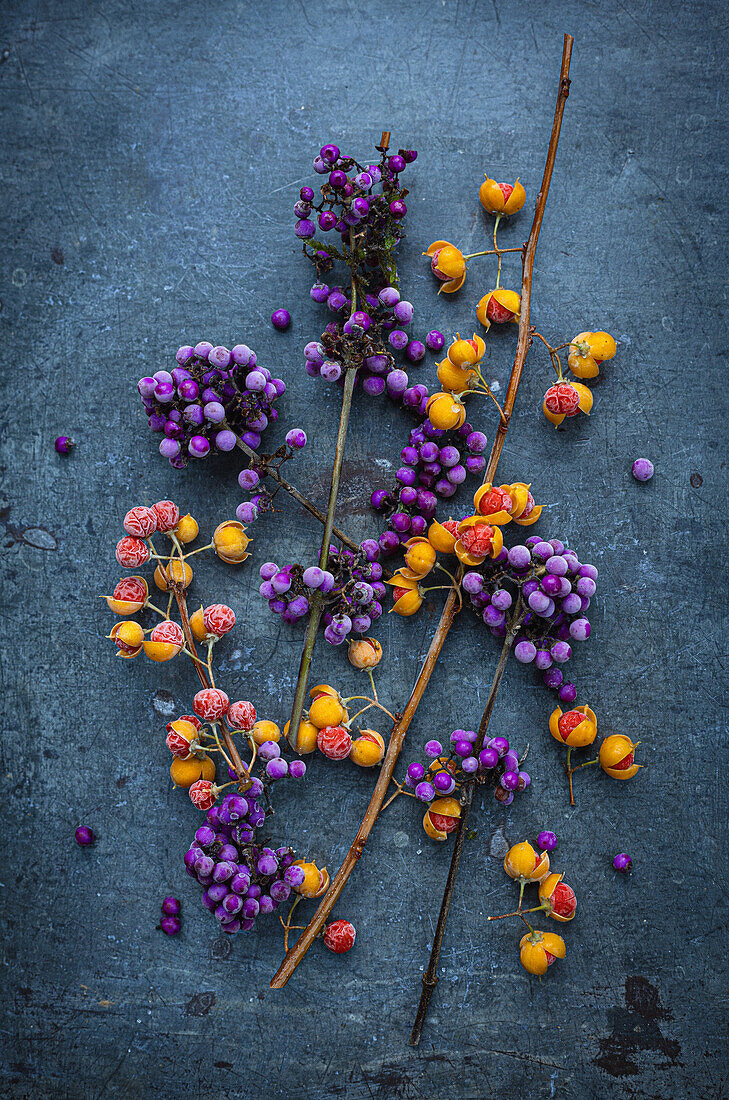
(335, 742)
(623, 863)
(211, 704)
(141, 522)
(167, 513)
(339, 936)
(281, 319)
(170, 907)
(202, 793)
(242, 715)
(562, 398)
(218, 619)
(167, 631)
(170, 925)
(132, 552)
(296, 438)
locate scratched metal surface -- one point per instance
(151, 156)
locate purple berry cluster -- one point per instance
(432, 466)
(351, 589)
(496, 765)
(213, 397)
(381, 328)
(241, 880)
(365, 198)
(556, 589)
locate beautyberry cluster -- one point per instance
(351, 589)
(493, 764)
(212, 397)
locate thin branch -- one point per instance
(397, 737)
(272, 471)
(522, 348)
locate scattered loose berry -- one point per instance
(281, 319)
(296, 438)
(170, 925)
(643, 469)
(170, 907)
(84, 836)
(64, 444)
(339, 936)
(547, 841)
(623, 863)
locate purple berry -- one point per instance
(84, 836)
(623, 863)
(546, 841)
(643, 470)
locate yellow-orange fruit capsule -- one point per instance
(617, 756)
(265, 730)
(315, 882)
(501, 198)
(186, 772)
(306, 737)
(368, 749)
(187, 529)
(231, 542)
(576, 727)
(538, 950)
(448, 265)
(326, 710)
(523, 862)
(177, 571)
(445, 411)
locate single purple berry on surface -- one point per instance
(389, 296)
(170, 906)
(281, 319)
(561, 652)
(170, 925)
(64, 444)
(643, 470)
(296, 438)
(553, 677)
(398, 339)
(435, 340)
(297, 769)
(276, 769)
(415, 351)
(246, 512)
(488, 758)
(623, 863)
(525, 651)
(580, 629)
(415, 772)
(84, 836)
(546, 841)
(404, 312)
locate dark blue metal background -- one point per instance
(151, 157)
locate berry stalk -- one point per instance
(304, 501)
(316, 601)
(296, 954)
(523, 344)
(430, 977)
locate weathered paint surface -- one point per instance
(151, 157)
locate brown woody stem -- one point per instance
(272, 471)
(305, 940)
(296, 954)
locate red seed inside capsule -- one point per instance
(568, 722)
(623, 764)
(563, 900)
(443, 822)
(497, 313)
(506, 189)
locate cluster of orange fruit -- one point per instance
(538, 950)
(471, 540)
(326, 726)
